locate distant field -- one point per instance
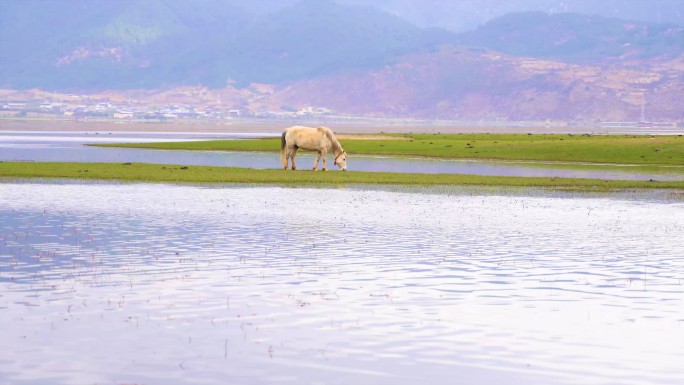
(139, 172)
(639, 150)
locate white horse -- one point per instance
(319, 139)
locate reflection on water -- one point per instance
(106, 283)
(70, 147)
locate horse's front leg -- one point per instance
(318, 158)
(324, 155)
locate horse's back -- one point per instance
(306, 129)
(309, 138)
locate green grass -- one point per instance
(140, 172)
(637, 150)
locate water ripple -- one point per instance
(182, 284)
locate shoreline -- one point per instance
(273, 126)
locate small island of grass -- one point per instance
(646, 152)
(634, 150)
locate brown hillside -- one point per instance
(459, 83)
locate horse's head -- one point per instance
(341, 161)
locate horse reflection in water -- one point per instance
(319, 139)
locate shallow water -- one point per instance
(70, 147)
(137, 283)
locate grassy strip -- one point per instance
(141, 172)
(644, 150)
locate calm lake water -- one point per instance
(71, 147)
(139, 283)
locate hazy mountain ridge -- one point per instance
(577, 38)
(145, 44)
(464, 15)
(162, 42)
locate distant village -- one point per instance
(87, 108)
(136, 112)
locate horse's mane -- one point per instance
(331, 135)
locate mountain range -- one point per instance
(356, 59)
(465, 15)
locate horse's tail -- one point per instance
(283, 159)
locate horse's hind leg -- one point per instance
(288, 156)
(318, 158)
(292, 156)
